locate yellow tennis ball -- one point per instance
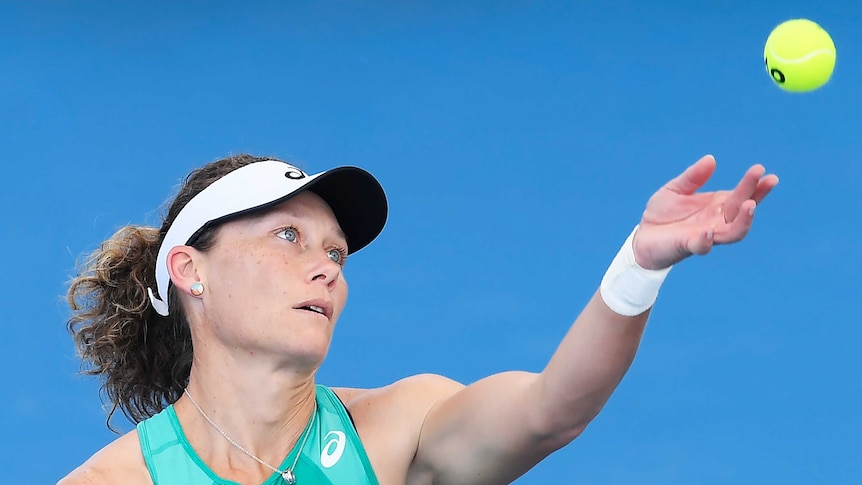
(799, 55)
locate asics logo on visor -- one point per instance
(295, 174)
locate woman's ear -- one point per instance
(181, 266)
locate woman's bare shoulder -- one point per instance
(121, 461)
(389, 419)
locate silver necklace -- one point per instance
(287, 475)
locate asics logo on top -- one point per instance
(333, 449)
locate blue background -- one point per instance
(518, 143)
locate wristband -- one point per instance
(627, 288)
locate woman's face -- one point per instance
(274, 281)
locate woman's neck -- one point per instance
(262, 409)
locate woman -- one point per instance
(208, 333)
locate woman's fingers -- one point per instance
(764, 186)
(744, 190)
(693, 177)
(739, 227)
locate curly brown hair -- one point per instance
(142, 358)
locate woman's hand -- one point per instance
(679, 222)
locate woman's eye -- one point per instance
(336, 255)
(288, 234)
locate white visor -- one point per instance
(354, 195)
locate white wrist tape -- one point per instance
(627, 288)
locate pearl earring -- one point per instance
(197, 288)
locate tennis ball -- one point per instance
(799, 55)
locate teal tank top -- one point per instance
(332, 454)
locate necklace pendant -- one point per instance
(289, 477)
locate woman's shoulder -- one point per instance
(389, 419)
(403, 404)
(121, 461)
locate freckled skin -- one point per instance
(251, 264)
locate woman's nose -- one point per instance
(325, 270)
